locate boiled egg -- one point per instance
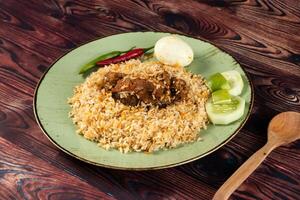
(172, 50)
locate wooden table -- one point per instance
(263, 35)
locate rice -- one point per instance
(98, 117)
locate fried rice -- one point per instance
(99, 118)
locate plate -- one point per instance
(56, 85)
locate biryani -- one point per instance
(140, 106)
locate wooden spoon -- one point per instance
(284, 128)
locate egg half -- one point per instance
(172, 50)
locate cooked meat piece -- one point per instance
(144, 90)
(160, 91)
(134, 91)
(178, 89)
(162, 87)
(130, 100)
(111, 79)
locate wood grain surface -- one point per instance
(263, 35)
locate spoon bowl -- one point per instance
(284, 128)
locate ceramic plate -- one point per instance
(51, 108)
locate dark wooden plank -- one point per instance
(24, 177)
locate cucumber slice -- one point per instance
(235, 81)
(225, 113)
(221, 97)
(218, 81)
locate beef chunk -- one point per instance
(132, 91)
(130, 100)
(162, 87)
(178, 89)
(111, 79)
(161, 90)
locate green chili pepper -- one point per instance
(93, 62)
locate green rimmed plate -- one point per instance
(51, 108)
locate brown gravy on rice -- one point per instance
(135, 106)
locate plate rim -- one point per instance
(140, 168)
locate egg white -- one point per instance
(172, 50)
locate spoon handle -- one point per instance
(243, 172)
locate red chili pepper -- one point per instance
(127, 56)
